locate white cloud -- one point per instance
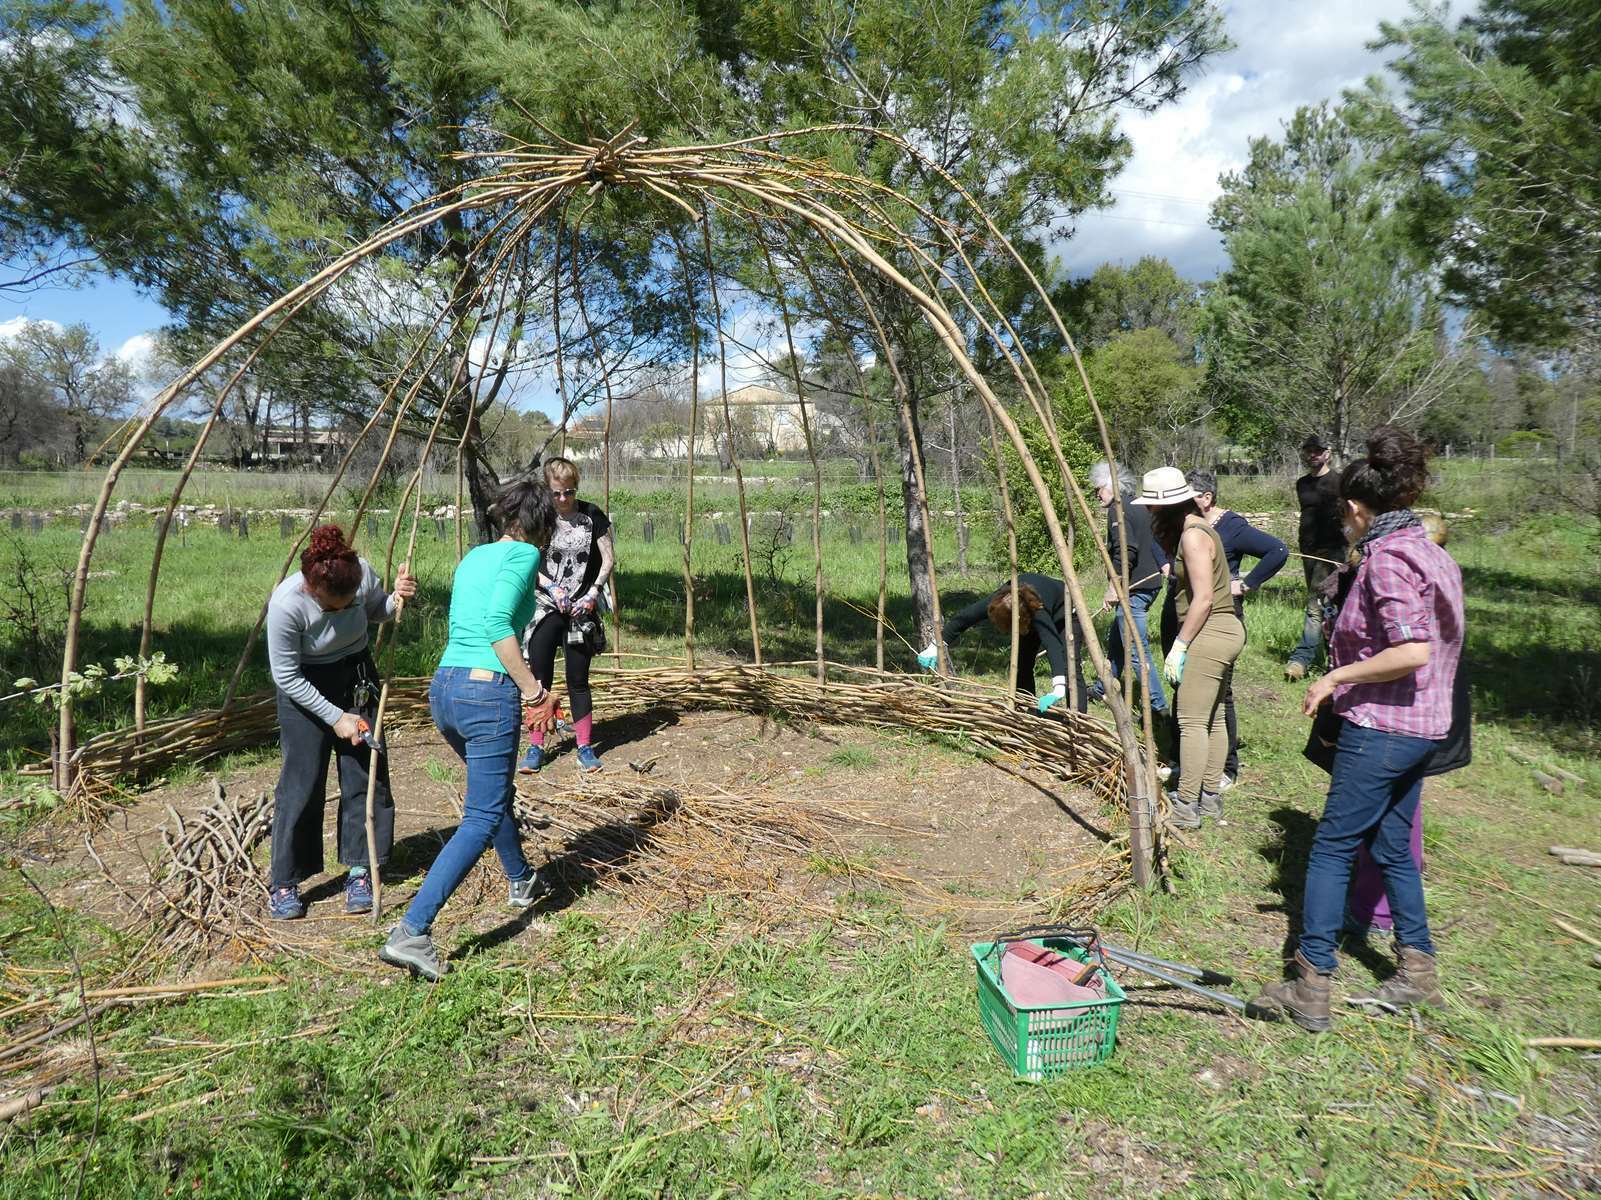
(1285, 54)
(15, 326)
(138, 352)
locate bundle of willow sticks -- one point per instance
(205, 890)
(1070, 746)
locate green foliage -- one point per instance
(1118, 299)
(91, 681)
(1527, 443)
(1326, 320)
(1495, 139)
(1149, 389)
(1075, 432)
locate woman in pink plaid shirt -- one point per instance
(1395, 651)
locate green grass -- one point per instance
(843, 1056)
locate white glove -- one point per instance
(929, 658)
(1173, 671)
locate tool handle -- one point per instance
(1204, 974)
(1224, 998)
(1086, 937)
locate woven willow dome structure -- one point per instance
(783, 215)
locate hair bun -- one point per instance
(328, 541)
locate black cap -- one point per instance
(1313, 445)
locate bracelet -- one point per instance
(539, 699)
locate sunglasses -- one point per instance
(564, 491)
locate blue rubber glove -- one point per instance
(929, 658)
(1173, 669)
(1055, 696)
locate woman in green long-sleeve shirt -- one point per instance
(481, 688)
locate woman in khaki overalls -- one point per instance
(1210, 639)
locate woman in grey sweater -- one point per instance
(317, 626)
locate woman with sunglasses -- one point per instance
(572, 588)
(317, 627)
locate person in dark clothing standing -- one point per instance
(1322, 545)
(1146, 570)
(1042, 620)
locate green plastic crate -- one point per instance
(1041, 1042)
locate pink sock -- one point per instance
(583, 728)
(537, 737)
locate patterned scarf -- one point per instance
(1387, 523)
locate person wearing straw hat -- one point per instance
(317, 628)
(478, 692)
(1210, 639)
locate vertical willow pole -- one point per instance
(688, 535)
(733, 449)
(811, 453)
(1011, 558)
(605, 441)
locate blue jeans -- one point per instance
(1373, 800)
(1139, 605)
(1311, 643)
(481, 719)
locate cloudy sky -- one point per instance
(1286, 53)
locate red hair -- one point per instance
(329, 564)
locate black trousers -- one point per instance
(1170, 633)
(548, 635)
(301, 797)
(1028, 649)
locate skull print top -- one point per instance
(572, 561)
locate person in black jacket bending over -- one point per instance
(1147, 567)
(1042, 620)
(1241, 540)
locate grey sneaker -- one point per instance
(1225, 782)
(1183, 814)
(525, 893)
(1210, 807)
(413, 951)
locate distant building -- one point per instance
(289, 444)
(770, 418)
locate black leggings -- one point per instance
(542, 643)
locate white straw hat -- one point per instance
(1164, 486)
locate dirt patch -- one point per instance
(975, 844)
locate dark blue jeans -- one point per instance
(1373, 800)
(1139, 605)
(481, 719)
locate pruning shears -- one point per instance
(364, 731)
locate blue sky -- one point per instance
(1287, 53)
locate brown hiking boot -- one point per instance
(1304, 999)
(1294, 671)
(1416, 981)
